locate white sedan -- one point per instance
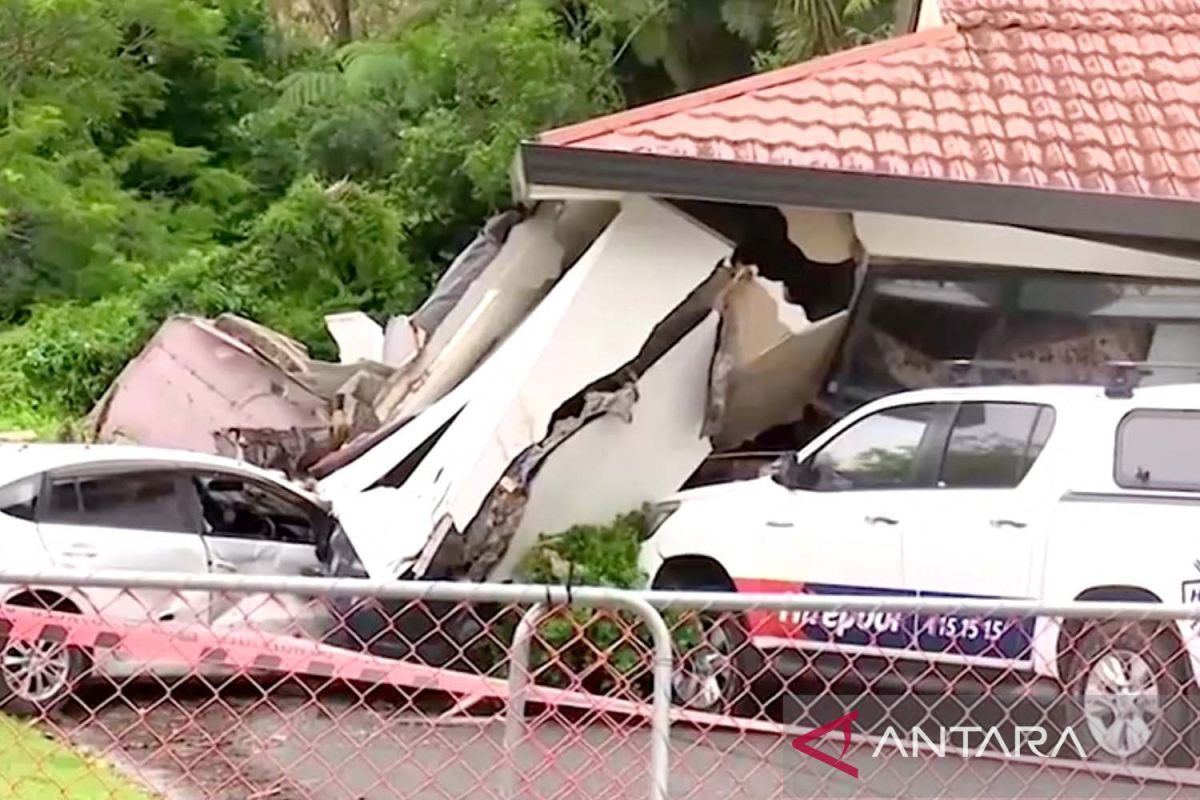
(107, 507)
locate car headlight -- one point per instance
(343, 559)
(658, 514)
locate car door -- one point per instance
(977, 532)
(124, 517)
(251, 527)
(839, 524)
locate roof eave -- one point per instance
(1090, 213)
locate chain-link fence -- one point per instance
(293, 689)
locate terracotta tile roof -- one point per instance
(1092, 95)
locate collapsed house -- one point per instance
(533, 391)
(691, 287)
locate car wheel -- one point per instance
(36, 676)
(1124, 697)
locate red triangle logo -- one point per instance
(801, 743)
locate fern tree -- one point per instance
(700, 42)
(803, 29)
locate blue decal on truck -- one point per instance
(991, 636)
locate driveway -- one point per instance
(292, 744)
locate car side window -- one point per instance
(17, 499)
(240, 508)
(877, 452)
(993, 445)
(138, 500)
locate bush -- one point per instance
(323, 249)
(590, 555)
(57, 364)
(596, 650)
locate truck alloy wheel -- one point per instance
(706, 675)
(1125, 698)
(1121, 704)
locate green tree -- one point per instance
(165, 156)
(661, 47)
(90, 196)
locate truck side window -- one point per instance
(993, 445)
(877, 452)
(1156, 449)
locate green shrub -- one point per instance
(60, 361)
(594, 649)
(590, 555)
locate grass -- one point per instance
(34, 766)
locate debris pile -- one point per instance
(578, 359)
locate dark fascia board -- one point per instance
(1071, 212)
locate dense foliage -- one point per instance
(602, 650)
(286, 159)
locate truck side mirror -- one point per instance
(796, 474)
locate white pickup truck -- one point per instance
(1052, 493)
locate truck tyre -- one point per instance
(715, 665)
(1125, 698)
(37, 676)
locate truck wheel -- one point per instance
(707, 675)
(1125, 700)
(715, 665)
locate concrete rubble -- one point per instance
(578, 359)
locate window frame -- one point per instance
(1041, 408)
(1126, 418)
(319, 518)
(927, 458)
(81, 472)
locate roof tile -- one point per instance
(1097, 95)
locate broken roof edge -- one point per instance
(570, 134)
(546, 171)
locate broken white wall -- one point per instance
(929, 15)
(594, 320)
(779, 357)
(358, 337)
(610, 466)
(779, 360)
(826, 236)
(532, 258)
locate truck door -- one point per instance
(980, 530)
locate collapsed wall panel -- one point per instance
(595, 319)
(617, 462)
(497, 538)
(209, 381)
(773, 360)
(491, 301)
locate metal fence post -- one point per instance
(518, 684)
(660, 714)
(660, 720)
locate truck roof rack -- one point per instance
(1119, 378)
(1125, 375)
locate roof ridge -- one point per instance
(570, 134)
